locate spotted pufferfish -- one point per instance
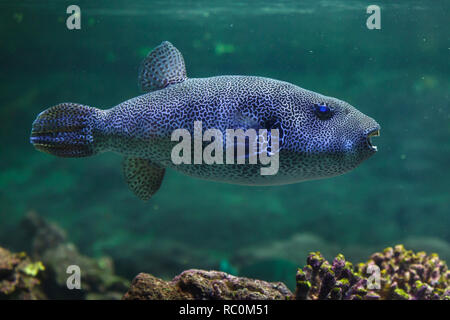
(319, 136)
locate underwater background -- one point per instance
(399, 75)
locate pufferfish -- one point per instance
(319, 136)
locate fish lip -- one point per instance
(372, 133)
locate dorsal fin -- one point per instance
(163, 66)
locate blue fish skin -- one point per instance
(320, 136)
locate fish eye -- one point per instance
(322, 111)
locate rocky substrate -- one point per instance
(403, 275)
(394, 273)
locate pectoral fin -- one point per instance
(142, 176)
(163, 66)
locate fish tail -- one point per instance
(66, 130)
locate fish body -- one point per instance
(319, 136)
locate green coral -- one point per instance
(33, 269)
(224, 48)
(403, 275)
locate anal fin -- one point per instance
(143, 176)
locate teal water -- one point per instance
(398, 75)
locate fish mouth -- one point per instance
(373, 133)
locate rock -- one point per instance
(20, 278)
(50, 245)
(410, 275)
(320, 280)
(205, 285)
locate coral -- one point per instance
(50, 245)
(321, 280)
(409, 275)
(20, 278)
(404, 275)
(205, 285)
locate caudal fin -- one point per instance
(65, 130)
